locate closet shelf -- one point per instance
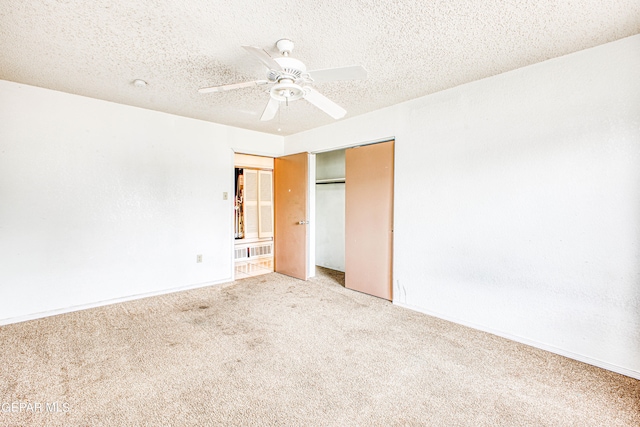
(331, 181)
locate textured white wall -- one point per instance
(100, 201)
(517, 202)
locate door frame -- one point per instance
(231, 201)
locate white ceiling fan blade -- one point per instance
(324, 103)
(355, 72)
(264, 57)
(225, 88)
(271, 110)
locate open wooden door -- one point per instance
(291, 216)
(369, 219)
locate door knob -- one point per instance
(303, 222)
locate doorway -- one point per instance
(253, 216)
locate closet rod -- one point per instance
(331, 181)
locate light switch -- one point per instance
(225, 196)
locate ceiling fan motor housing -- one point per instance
(291, 69)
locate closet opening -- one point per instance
(354, 216)
(253, 216)
(330, 213)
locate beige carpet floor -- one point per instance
(272, 350)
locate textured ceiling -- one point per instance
(410, 48)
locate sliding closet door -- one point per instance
(291, 201)
(369, 219)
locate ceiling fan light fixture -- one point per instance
(286, 91)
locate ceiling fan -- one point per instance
(290, 81)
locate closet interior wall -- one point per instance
(330, 209)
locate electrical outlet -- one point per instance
(198, 258)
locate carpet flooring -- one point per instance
(275, 351)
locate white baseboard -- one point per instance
(579, 357)
(55, 312)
